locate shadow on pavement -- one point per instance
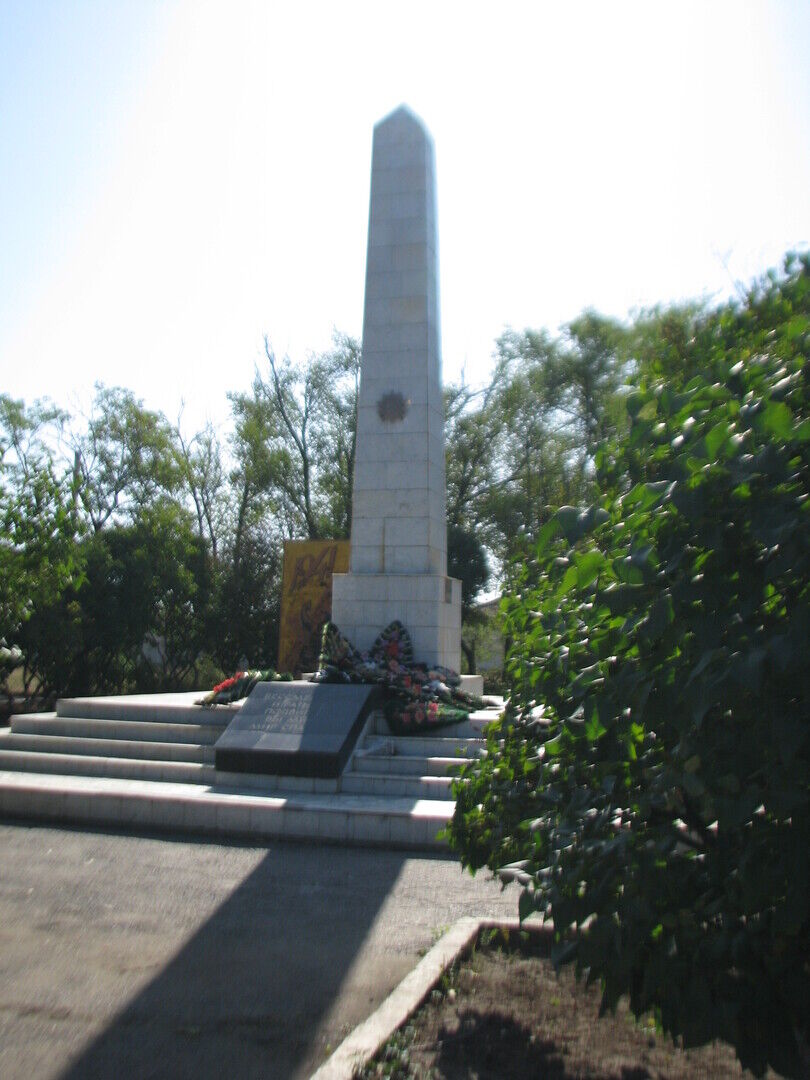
(246, 995)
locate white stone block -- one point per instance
(407, 475)
(420, 614)
(391, 369)
(380, 339)
(407, 532)
(390, 205)
(437, 562)
(369, 828)
(400, 129)
(435, 397)
(408, 502)
(407, 560)
(169, 814)
(396, 283)
(77, 807)
(374, 613)
(436, 412)
(202, 815)
(333, 825)
(233, 817)
(436, 504)
(400, 588)
(385, 310)
(435, 445)
(394, 231)
(345, 585)
(411, 256)
(395, 446)
(368, 532)
(426, 644)
(370, 502)
(437, 535)
(369, 422)
(428, 589)
(397, 370)
(404, 178)
(364, 637)
(369, 475)
(298, 823)
(366, 560)
(266, 819)
(399, 156)
(374, 589)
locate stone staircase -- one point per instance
(148, 760)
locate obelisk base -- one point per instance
(427, 605)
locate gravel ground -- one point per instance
(126, 955)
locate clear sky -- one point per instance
(178, 179)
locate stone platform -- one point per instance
(148, 762)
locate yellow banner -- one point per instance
(306, 599)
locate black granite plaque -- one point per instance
(295, 729)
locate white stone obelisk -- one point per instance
(398, 567)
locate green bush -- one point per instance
(38, 524)
(651, 776)
(145, 584)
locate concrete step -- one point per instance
(424, 746)
(154, 708)
(139, 731)
(270, 783)
(17, 758)
(148, 760)
(386, 784)
(189, 808)
(473, 728)
(119, 748)
(464, 730)
(406, 764)
(121, 768)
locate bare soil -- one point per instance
(505, 1013)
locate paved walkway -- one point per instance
(138, 956)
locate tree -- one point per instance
(474, 434)
(137, 620)
(652, 779)
(467, 561)
(247, 606)
(525, 443)
(201, 465)
(38, 523)
(124, 459)
(310, 420)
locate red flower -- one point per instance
(228, 683)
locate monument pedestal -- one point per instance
(428, 605)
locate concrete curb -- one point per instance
(369, 1037)
(407, 823)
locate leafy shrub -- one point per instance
(38, 524)
(651, 776)
(135, 620)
